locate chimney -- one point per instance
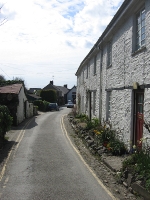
(65, 86)
(51, 82)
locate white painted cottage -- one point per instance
(113, 80)
(14, 97)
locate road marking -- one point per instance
(5, 182)
(77, 151)
(19, 138)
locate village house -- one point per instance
(71, 95)
(113, 80)
(14, 97)
(60, 90)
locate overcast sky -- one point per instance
(46, 40)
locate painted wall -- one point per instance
(21, 106)
(29, 109)
(127, 67)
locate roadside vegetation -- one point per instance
(41, 105)
(5, 123)
(109, 141)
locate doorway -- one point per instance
(138, 117)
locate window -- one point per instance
(94, 102)
(109, 54)
(108, 104)
(87, 71)
(95, 59)
(140, 29)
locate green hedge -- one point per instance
(5, 121)
(42, 105)
(48, 95)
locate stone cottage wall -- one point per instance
(127, 67)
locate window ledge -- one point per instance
(143, 48)
(109, 66)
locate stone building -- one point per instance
(113, 80)
(14, 97)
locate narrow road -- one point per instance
(44, 165)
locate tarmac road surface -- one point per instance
(43, 165)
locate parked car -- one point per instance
(53, 106)
(70, 105)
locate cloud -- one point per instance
(50, 38)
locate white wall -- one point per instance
(21, 107)
(127, 67)
(29, 109)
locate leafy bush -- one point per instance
(108, 138)
(117, 147)
(46, 104)
(5, 121)
(49, 95)
(42, 105)
(92, 123)
(139, 164)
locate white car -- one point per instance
(70, 104)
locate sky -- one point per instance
(45, 40)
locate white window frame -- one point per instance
(140, 29)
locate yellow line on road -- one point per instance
(76, 150)
(19, 138)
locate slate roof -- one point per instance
(33, 97)
(13, 89)
(63, 89)
(72, 88)
(50, 86)
(31, 90)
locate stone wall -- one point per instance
(127, 67)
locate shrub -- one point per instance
(108, 138)
(139, 164)
(92, 123)
(117, 147)
(49, 95)
(42, 105)
(5, 121)
(46, 104)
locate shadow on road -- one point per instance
(5, 151)
(22, 124)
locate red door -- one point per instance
(139, 118)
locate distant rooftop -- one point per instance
(15, 89)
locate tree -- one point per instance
(2, 78)
(18, 79)
(49, 95)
